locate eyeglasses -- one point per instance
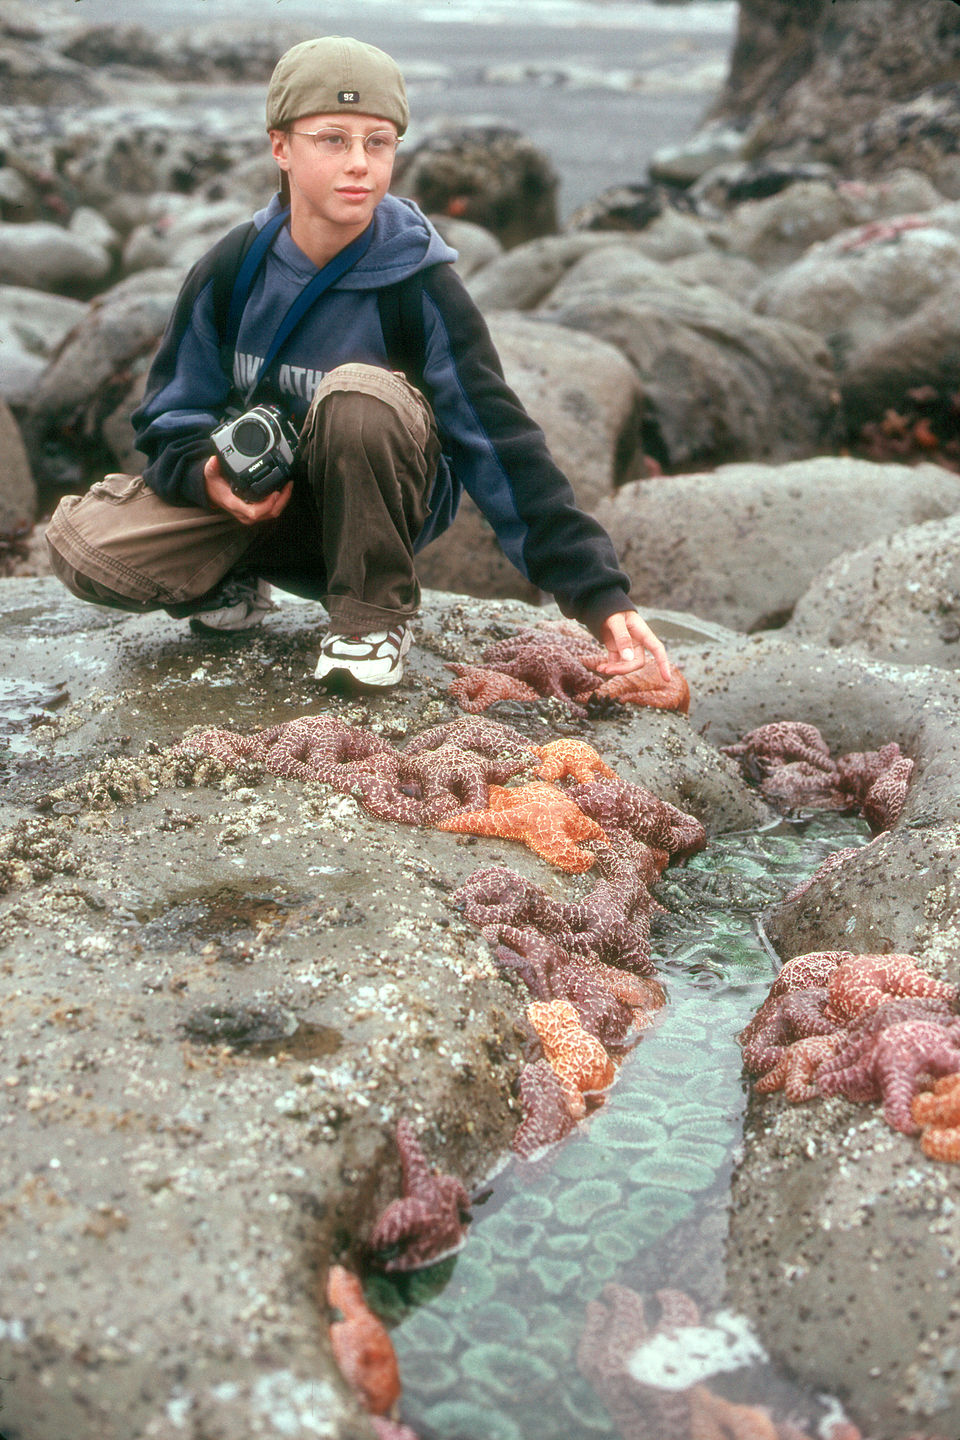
(334, 143)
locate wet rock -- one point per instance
(912, 579)
(490, 175)
(776, 231)
(587, 399)
(722, 384)
(741, 545)
(476, 246)
(852, 288)
(141, 159)
(33, 75)
(687, 162)
(32, 324)
(731, 183)
(525, 275)
(179, 231)
(49, 257)
(18, 496)
(95, 373)
(914, 359)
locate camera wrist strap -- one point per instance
(314, 288)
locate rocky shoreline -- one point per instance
(748, 369)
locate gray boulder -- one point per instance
(18, 495)
(905, 362)
(488, 174)
(35, 74)
(522, 277)
(50, 257)
(852, 288)
(476, 246)
(32, 325)
(741, 545)
(587, 399)
(179, 232)
(94, 373)
(897, 599)
(778, 229)
(722, 383)
(102, 163)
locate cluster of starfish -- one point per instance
(617, 1328)
(561, 661)
(792, 764)
(586, 964)
(869, 1027)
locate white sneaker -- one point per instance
(374, 660)
(238, 603)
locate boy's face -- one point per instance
(334, 176)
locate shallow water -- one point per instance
(637, 1194)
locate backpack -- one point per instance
(400, 306)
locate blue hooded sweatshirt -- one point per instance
(490, 445)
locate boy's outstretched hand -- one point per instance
(629, 639)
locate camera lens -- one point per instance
(251, 437)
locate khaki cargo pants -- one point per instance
(367, 462)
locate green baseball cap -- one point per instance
(333, 74)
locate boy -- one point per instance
(381, 462)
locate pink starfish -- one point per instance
(890, 1065)
(547, 1117)
(431, 1219)
(861, 982)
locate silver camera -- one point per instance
(256, 450)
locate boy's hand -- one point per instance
(628, 638)
(248, 512)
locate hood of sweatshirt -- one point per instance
(404, 241)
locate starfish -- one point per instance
(645, 686)
(782, 1019)
(781, 742)
(858, 770)
(619, 804)
(431, 1219)
(616, 1326)
(426, 786)
(385, 1429)
(861, 982)
(479, 686)
(311, 747)
(938, 1112)
(361, 1344)
(808, 971)
(567, 757)
(714, 1418)
(547, 1117)
(548, 663)
(581, 1063)
(884, 801)
(799, 785)
(797, 1065)
(889, 1065)
(549, 973)
(540, 815)
(610, 924)
(486, 737)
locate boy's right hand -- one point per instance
(248, 512)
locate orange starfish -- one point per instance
(714, 1418)
(478, 686)
(794, 1071)
(540, 815)
(361, 1344)
(575, 758)
(861, 982)
(643, 687)
(579, 1060)
(938, 1111)
(807, 972)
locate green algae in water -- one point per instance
(654, 1155)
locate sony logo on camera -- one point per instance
(256, 450)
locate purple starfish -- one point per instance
(546, 1113)
(430, 1220)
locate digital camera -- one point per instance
(256, 450)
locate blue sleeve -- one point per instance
(500, 456)
(185, 396)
